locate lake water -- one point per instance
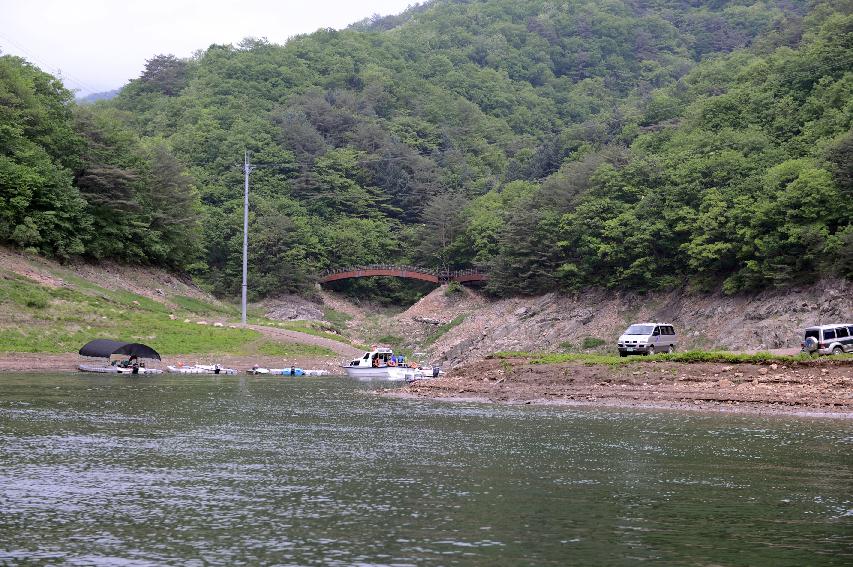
(198, 470)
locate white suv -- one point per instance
(648, 338)
(829, 339)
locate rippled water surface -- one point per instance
(196, 470)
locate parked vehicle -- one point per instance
(829, 339)
(648, 338)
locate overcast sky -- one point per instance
(98, 45)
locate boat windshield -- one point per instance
(640, 330)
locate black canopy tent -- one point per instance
(105, 348)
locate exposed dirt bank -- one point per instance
(823, 387)
(769, 320)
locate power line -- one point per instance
(56, 71)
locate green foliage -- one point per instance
(315, 329)
(443, 225)
(586, 143)
(37, 301)
(737, 190)
(592, 342)
(142, 203)
(293, 349)
(396, 343)
(689, 357)
(198, 306)
(76, 181)
(337, 319)
(443, 329)
(16, 290)
(387, 292)
(164, 74)
(39, 206)
(453, 289)
(379, 136)
(36, 318)
(391, 340)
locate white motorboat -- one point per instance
(200, 369)
(381, 364)
(292, 371)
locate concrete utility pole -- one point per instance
(246, 169)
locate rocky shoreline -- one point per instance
(823, 387)
(820, 388)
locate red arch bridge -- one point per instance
(411, 272)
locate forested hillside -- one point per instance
(557, 144)
(77, 182)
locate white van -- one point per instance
(648, 338)
(829, 339)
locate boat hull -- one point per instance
(140, 371)
(390, 373)
(117, 370)
(201, 369)
(98, 369)
(316, 372)
(278, 371)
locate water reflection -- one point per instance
(233, 470)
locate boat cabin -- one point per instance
(378, 357)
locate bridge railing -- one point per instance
(442, 275)
(393, 267)
(448, 275)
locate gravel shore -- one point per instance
(823, 387)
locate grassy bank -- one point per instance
(312, 328)
(39, 318)
(689, 357)
(443, 329)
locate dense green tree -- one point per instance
(40, 208)
(164, 74)
(579, 143)
(77, 181)
(172, 202)
(443, 225)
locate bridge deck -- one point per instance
(359, 273)
(409, 272)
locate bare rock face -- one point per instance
(440, 306)
(292, 308)
(772, 319)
